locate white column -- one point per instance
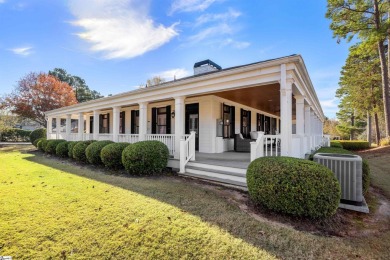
(115, 123)
(87, 124)
(95, 124)
(128, 121)
(300, 115)
(285, 112)
(179, 123)
(307, 127)
(143, 120)
(68, 126)
(313, 130)
(81, 126)
(58, 127)
(49, 127)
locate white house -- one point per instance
(208, 119)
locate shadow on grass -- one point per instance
(179, 192)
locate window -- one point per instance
(161, 120)
(260, 122)
(122, 122)
(245, 123)
(228, 121)
(91, 124)
(267, 125)
(104, 124)
(135, 121)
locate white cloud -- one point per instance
(172, 74)
(119, 28)
(235, 44)
(213, 31)
(330, 107)
(224, 17)
(190, 5)
(2, 1)
(22, 51)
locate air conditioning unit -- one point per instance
(348, 171)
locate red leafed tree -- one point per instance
(37, 93)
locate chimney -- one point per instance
(205, 66)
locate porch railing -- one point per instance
(265, 145)
(103, 137)
(167, 139)
(87, 137)
(187, 150)
(128, 138)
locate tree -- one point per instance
(37, 93)
(330, 127)
(367, 19)
(83, 92)
(7, 120)
(360, 83)
(156, 80)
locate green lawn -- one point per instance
(52, 208)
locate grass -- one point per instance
(52, 208)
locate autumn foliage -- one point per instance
(37, 93)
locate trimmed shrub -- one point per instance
(354, 145)
(145, 158)
(40, 144)
(79, 150)
(62, 149)
(37, 133)
(71, 145)
(93, 151)
(111, 155)
(52, 145)
(384, 141)
(44, 144)
(15, 135)
(336, 144)
(37, 140)
(293, 186)
(366, 174)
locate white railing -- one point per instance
(167, 139)
(265, 145)
(128, 138)
(187, 150)
(87, 137)
(103, 137)
(52, 136)
(74, 137)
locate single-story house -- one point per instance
(214, 122)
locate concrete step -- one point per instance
(233, 177)
(218, 169)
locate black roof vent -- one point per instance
(207, 62)
(205, 66)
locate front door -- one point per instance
(192, 121)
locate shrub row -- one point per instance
(336, 144)
(293, 186)
(15, 135)
(354, 145)
(37, 134)
(366, 172)
(142, 158)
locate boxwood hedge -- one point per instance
(52, 145)
(93, 151)
(354, 145)
(37, 140)
(40, 144)
(44, 144)
(62, 149)
(79, 150)
(15, 135)
(71, 145)
(336, 144)
(145, 158)
(366, 177)
(37, 133)
(111, 155)
(293, 186)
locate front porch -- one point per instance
(264, 109)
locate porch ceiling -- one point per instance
(265, 97)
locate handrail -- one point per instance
(257, 148)
(187, 150)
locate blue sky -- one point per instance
(116, 45)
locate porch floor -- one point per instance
(227, 159)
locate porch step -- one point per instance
(224, 175)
